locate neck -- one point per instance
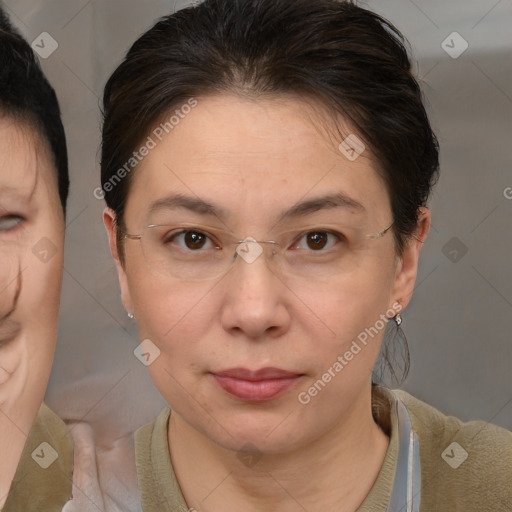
(334, 472)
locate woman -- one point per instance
(35, 446)
(266, 167)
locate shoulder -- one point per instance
(49, 424)
(43, 479)
(50, 432)
(465, 465)
(151, 434)
(154, 468)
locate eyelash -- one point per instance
(171, 237)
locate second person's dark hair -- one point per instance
(26, 95)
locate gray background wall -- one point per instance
(459, 322)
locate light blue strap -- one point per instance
(406, 491)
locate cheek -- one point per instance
(344, 308)
(37, 311)
(173, 317)
(178, 320)
(347, 322)
(44, 258)
(41, 283)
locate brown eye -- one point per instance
(188, 240)
(194, 239)
(317, 240)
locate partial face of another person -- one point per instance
(266, 169)
(31, 259)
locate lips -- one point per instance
(256, 385)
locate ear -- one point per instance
(407, 266)
(109, 219)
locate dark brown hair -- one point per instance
(26, 95)
(349, 59)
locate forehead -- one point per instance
(227, 126)
(24, 159)
(238, 150)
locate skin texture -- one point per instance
(31, 222)
(256, 158)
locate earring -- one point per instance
(130, 316)
(392, 366)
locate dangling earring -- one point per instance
(130, 316)
(401, 347)
(393, 363)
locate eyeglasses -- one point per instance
(189, 252)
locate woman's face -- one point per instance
(31, 258)
(261, 169)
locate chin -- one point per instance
(256, 429)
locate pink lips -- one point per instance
(256, 386)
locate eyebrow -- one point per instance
(316, 204)
(194, 204)
(300, 209)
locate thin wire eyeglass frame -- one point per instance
(139, 237)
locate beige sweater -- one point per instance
(451, 482)
(44, 475)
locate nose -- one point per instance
(255, 299)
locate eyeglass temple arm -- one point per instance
(380, 234)
(132, 237)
